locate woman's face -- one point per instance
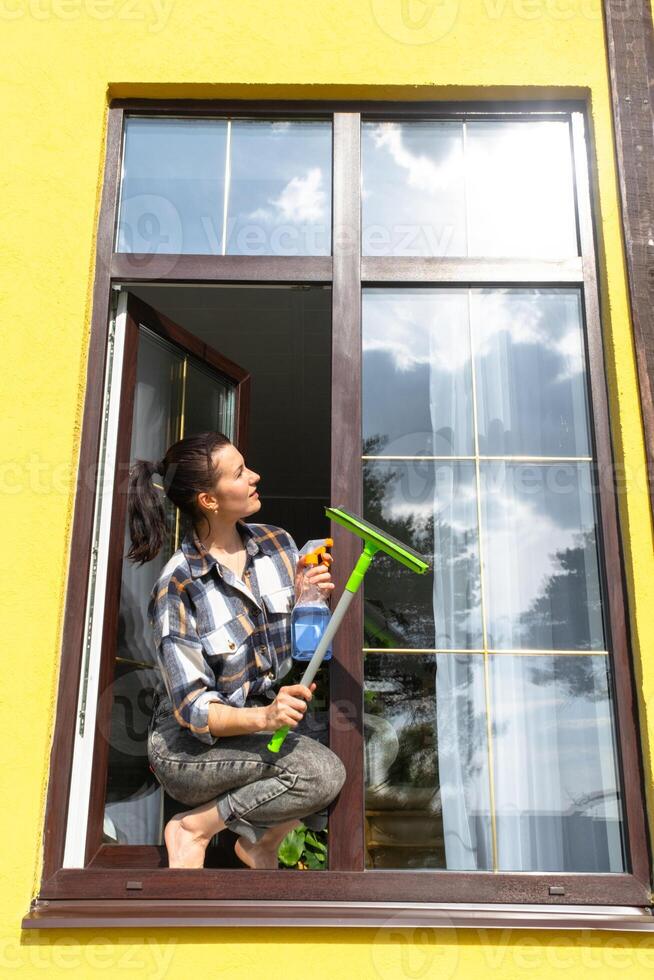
(235, 491)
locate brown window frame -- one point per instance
(130, 885)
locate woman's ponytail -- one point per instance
(190, 466)
(145, 511)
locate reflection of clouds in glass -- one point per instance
(412, 188)
(422, 173)
(530, 359)
(508, 521)
(547, 319)
(541, 573)
(415, 328)
(302, 199)
(520, 188)
(569, 348)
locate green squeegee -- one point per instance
(375, 540)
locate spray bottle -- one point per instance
(311, 612)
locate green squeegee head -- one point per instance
(374, 540)
(378, 540)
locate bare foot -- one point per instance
(256, 856)
(263, 854)
(186, 848)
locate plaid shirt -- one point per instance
(220, 638)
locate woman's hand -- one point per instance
(319, 575)
(288, 708)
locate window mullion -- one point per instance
(346, 826)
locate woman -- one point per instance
(220, 615)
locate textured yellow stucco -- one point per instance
(61, 61)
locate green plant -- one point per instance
(304, 849)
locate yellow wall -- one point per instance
(61, 60)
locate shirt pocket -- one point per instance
(233, 655)
(280, 601)
(228, 639)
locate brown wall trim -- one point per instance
(139, 915)
(61, 754)
(630, 51)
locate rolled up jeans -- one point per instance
(255, 789)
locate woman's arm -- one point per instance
(287, 709)
(226, 720)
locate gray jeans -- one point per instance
(254, 788)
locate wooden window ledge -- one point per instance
(135, 913)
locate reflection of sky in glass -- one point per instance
(173, 186)
(530, 367)
(412, 188)
(280, 188)
(552, 724)
(417, 391)
(516, 198)
(519, 189)
(541, 577)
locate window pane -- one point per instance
(519, 189)
(172, 186)
(433, 507)
(417, 389)
(552, 724)
(426, 762)
(135, 805)
(413, 198)
(476, 188)
(530, 372)
(209, 404)
(399, 498)
(134, 799)
(280, 188)
(541, 578)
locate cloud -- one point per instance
(303, 199)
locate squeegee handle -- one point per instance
(335, 621)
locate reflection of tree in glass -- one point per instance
(407, 700)
(401, 688)
(572, 678)
(562, 616)
(398, 603)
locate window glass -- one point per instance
(426, 770)
(520, 189)
(417, 384)
(541, 575)
(469, 739)
(530, 372)
(554, 769)
(487, 188)
(173, 186)
(280, 188)
(171, 389)
(412, 188)
(225, 187)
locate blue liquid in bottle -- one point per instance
(308, 623)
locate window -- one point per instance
(483, 712)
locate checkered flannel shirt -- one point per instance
(217, 637)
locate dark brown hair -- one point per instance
(187, 469)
